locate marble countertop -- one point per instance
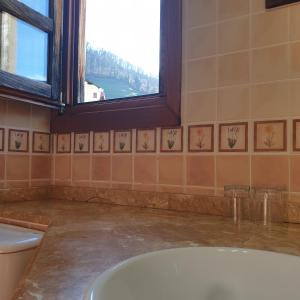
(84, 239)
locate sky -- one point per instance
(128, 28)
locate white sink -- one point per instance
(201, 274)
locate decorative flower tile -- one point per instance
(122, 141)
(1, 139)
(270, 135)
(145, 140)
(18, 140)
(233, 137)
(82, 142)
(41, 142)
(171, 139)
(101, 142)
(296, 135)
(201, 138)
(63, 143)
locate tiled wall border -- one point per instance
(250, 138)
(133, 133)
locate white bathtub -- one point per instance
(17, 247)
(201, 274)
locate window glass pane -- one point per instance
(122, 49)
(41, 6)
(24, 49)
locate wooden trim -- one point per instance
(74, 142)
(27, 98)
(136, 140)
(25, 89)
(284, 123)
(212, 137)
(3, 140)
(161, 140)
(33, 140)
(55, 51)
(246, 136)
(70, 145)
(27, 140)
(149, 111)
(276, 3)
(114, 141)
(94, 133)
(27, 14)
(295, 134)
(24, 84)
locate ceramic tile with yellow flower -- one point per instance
(145, 140)
(270, 135)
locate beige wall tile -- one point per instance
(270, 100)
(234, 69)
(233, 35)
(201, 12)
(233, 103)
(81, 167)
(17, 167)
(122, 168)
(18, 114)
(145, 169)
(101, 168)
(2, 112)
(294, 173)
(258, 6)
(202, 42)
(41, 167)
(270, 64)
(2, 167)
(232, 8)
(233, 170)
(40, 119)
(201, 106)
(294, 98)
(270, 171)
(201, 74)
(201, 170)
(295, 60)
(171, 170)
(295, 22)
(270, 28)
(63, 167)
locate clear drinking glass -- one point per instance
(269, 205)
(240, 201)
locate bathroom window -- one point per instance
(122, 64)
(30, 49)
(120, 58)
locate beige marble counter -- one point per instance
(84, 239)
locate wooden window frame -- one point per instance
(276, 3)
(161, 109)
(17, 87)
